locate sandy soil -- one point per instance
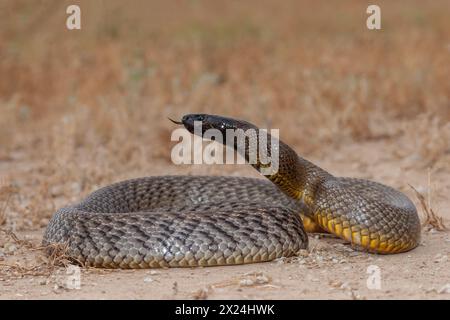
(330, 268)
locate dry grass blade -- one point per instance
(17, 240)
(54, 256)
(203, 293)
(8, 192)
(432, 220)
(57, 256)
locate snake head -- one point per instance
(207, 121)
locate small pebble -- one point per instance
(347, 268)
(336, 283)
(246, 282)
(444, 289)
(152, 272)
(440, 258)
(10, 247)
(262, 279)
(346, 286)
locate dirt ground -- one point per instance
(85, 108)
(330, 268)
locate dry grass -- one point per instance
(80, 109)
(431, 221)
(5, 193)
(49, 258)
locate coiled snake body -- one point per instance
(181, 221)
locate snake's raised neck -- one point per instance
(369, 215)
(295, 176)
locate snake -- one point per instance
(191, 221)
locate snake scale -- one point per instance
(186, 221)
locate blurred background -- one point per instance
(83, 108)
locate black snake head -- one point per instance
(205, 122)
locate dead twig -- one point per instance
(432, 220)
(17, 240)
(54, 256)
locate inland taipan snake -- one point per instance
(182, 221)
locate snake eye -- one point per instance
(200, 117)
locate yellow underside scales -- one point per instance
(357, 236)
